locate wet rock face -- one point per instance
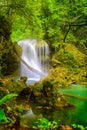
(64, 127)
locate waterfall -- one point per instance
(43, 55)
(34, 59)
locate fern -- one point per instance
(6, 97)
(3, 118)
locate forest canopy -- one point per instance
(52, 20)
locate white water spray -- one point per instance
(34, 59)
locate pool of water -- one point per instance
(77, 95)
(77, 115)
(76, 90)
(68, 116)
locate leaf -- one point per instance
(20, 110)
(6, 97)
(35, 123)
(3, 118)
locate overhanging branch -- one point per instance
(78, 24)
(73, 24)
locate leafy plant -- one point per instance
(20, 110)
(45, 124)
(6, 97)
(78, 127)
(3, 118)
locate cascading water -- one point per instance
(34, 59)
(42, 49)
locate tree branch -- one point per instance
(67, 33)
(78, 24)
(73, 24)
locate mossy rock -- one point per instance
(15, 86)
(69, 56)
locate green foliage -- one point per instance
(48, 20)
(78, 127)
(45, 124)
(66, 57)
(19, 28)
(3, 118)
(6, 97)
(20, 110)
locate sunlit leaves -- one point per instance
(41, 19)
(18, 2)
(85, 10)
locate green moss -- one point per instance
(16, 86)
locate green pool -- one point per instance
(77, 115)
